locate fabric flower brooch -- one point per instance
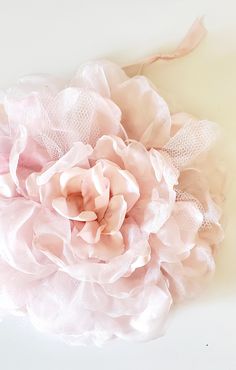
(107, 213)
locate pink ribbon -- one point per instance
(193, 38)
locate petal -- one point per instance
(31, 186)
(71, 179)
(156, 179)
(145, 114)
(17, 149)
(26, 157)
(95, 190)
(151, 322)
(26, 110)
(186, 278)
(178, 235)
(126, 157)
(114, 215)
(91, 232)
(109, 148)
(122, 182)
(135, 153)
(7, 186)
(194, 185)
(5, 149)
(77, 155)
(48, 191)
(72, 208)
(17, 218)
(15, 288)
(100, 75)
(107, 247)
(52, 236)
(137, 254)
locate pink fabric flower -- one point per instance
(107, 214)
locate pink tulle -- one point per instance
(108, 216)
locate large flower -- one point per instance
(107, 215)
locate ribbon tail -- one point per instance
(195, 35)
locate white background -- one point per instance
(55, 36)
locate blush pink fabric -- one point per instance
(108, 216)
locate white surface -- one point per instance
(55, 36)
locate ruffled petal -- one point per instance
(145, 114)
(7, 186)
(72, 208)
(115, 214)
(122, 182)
(77, 155)
(71, 179)
(17, 217)
(5, 149)
(52, 236)
(106, 248)
(157, 179)
(178, 236)
(17, 149)
(101, 76)
(95, 190)
(15, 288)
(186, 277)
(193, 185)
(91, 232)
(137, 254)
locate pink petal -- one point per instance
(109, 148)
(14, 290)
(91, 232)
(72, 208)
(115, 214)
(179, 234)
(70, 180)
(17, 218)
(122, 182)
(17, 149)
(108, 247)
(7, 186)
(52, 235)
(5, 149)
(47, 191)
(137, 254)
(101, 76)
(77, 155)
(95, 191)
(145, 114)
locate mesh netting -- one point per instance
(182, 196)
(59, 135)
(193, 139)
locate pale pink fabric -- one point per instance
(107, 213)
(195, 35)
